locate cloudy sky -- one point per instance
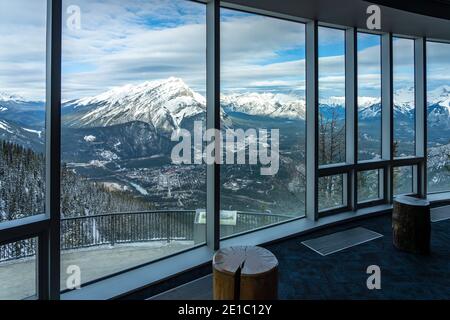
(132, 41)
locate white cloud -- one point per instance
(117, 44)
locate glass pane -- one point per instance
(331, 192)
(134, 82)
(369, 185)
(263, 104)
(331, 96)
(22, 108)
(403, 180)
(404, 104)
(438, 95)
(369, 96)
(18, 270)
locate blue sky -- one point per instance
(132, 41)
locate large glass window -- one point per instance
(369, 96)
(133, 89)
(403, 180)
(438, 104)
(331, 95)
(18, 270)
(331, 192)
(22, 108)
(404, 97)
(263, 100)
(370, 185)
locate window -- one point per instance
(263, 99)
(404, 104)
(403, 180)
(370, 185)
(18, 270)
(331, 95)
(134, 145)
(133, 89)
(22, 108)
(438, 95)
(331, 192)
(369, 96)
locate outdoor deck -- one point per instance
(17, 277)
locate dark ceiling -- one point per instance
(421, 18)
(432, 8)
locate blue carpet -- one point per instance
(305, 274)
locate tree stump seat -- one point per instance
(411, 226)
(245, 273)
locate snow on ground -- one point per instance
(109, 155)
(139, 189)
(5, 126)
(114, 186)
(89, 138)
(33, 131)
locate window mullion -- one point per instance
(213, 121)
(387, 112)
(53, 150)
(312, 123)
(351, 114)
(420, 113)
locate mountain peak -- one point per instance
(162, 103)
(129, 92)
(5, 96)
(440, 95)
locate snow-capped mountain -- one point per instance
(439, 107)
(265, 104)
(440, 95)
(5, 96)
(22, 111)
(28, 137)
(170, 104)
(370, 107)
(332, 101)
(163, 104)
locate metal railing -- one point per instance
(137, 227)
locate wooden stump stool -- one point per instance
(411, 227)
(245, 273)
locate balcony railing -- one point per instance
(137, 227)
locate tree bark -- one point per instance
(411, 227)
(245, 273)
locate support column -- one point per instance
(387, 112)
(49, 275)
(213, 121)
(312, 117)
(420, 74)
(351, 113)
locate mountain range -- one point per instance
(170, 104)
